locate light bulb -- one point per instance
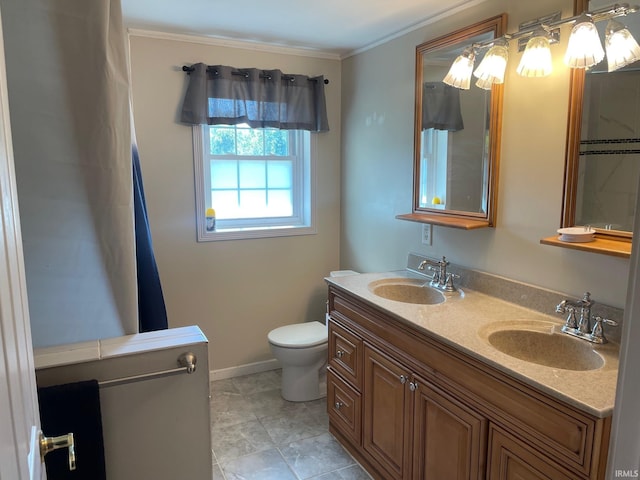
(536, 59)
(584, 49)
(622, 48)
(459, 75)
(493, 65)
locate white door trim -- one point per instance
(19, 416)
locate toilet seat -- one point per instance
(299, 335)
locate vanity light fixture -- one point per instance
(583, 51)
(493, 65)
(622, 49)
(536, 59)
(459, 75)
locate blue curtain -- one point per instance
(152, 314)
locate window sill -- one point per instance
(249, 233)
(603, 245)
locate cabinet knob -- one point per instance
(339, 353)
(413, 386)
(403, 379)
(338, 405)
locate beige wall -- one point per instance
(236, 291)
(377, 168)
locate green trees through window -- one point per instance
(243, 140)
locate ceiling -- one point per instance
(336, 27)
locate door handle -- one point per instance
(49, 444)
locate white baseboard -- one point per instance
(247, 369)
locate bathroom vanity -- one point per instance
(418, 391)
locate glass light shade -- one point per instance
(459, 75)
(584, 49)
(622, 48)
(536, 59)
(492, 67)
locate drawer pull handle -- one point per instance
(339, 354)
(338, 405)
(403, 379)
(413, 386)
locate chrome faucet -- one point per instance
(440, 279)
(582, 328)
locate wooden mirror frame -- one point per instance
(572, 150)
(458, 219)
(605, 243)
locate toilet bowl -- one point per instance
(301, 349)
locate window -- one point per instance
(258, 181)
(435, 159)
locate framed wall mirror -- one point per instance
(602, 166)
(456, 136)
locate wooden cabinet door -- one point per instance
(386, 424)
(510, 459)
(449, 441)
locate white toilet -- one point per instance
(301, 349)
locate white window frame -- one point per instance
(436, 144)
(301, 223)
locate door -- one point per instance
(19, 417)
(449, 441)
(386, 426)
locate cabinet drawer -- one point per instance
(345, 407)
(510, 459)
(345, 353)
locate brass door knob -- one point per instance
(49, 444)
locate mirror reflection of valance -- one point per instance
(222, 95)
(441, 107)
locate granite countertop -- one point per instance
(465, 320)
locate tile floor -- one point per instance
(256, 435)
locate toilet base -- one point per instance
(301, 384)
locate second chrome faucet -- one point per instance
(581, 327)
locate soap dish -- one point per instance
(577, 234)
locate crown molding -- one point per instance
(428, 21)
(232, 43)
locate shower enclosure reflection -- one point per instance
(609, 160)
